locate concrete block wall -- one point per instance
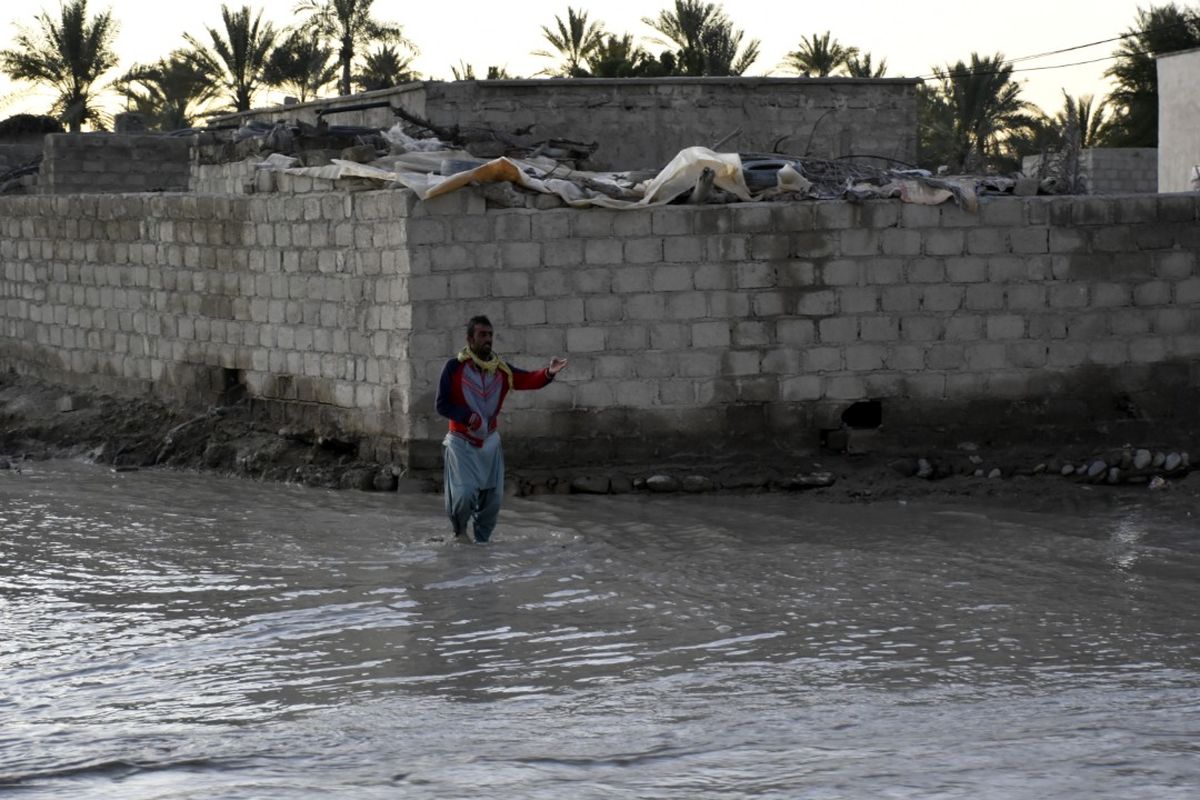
(1112, 170)
(108, 163)
(748, 326)
(643, 123)
(1120, 170)
(302, 300)
(759, 324)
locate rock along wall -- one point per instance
(643, 123)
(747, 327)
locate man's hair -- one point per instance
(477, 320)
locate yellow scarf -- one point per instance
(489, 366)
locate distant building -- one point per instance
(1179, 121)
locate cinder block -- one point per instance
(818, 303)
(687, 305)
(1029, 240)
(865, 357)
(711, 334)
(795, 332)
(713, 276)
(683, 249)
(670, 336)
(585, 340)
(987, 241)
(900, 298)
(858, 300)
(944, 243)
(986, 356)
(859, 242)
(1005, 327)
(671, 279)
(942, 298)
(627, 337)
(627, 280)
(817, 244)
(879, 328)
(921, 328)
(800, 388)
(644, 251)
(842, 272)
(562, 252)
(768, 247)
(669, 221)
(754, 275)
(1002, 212)
(1153, 293)
(900, 242)
(1110, 352)
(945, 357)
(838, 329)
(1028, 297)
(844, 387)
(593, 222)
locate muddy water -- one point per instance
(175, 636)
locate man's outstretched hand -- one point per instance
(557, 365)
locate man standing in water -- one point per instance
(470, 393)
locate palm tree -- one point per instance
(706, 41)
(1165, 29)
(349, 24)
(574, 41)
(384, 68)
(238, 57)
(859, 66)
(819, 56)
(466, 72)
(302, 65)
(621, 57)
(972, 110)
(1084, 120)
(70, 53)
(171, 92)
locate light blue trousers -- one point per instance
(474, 480)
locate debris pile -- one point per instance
(433, 160)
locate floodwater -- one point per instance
(165, 635)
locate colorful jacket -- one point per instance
(466, 392)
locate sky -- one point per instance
(913, 36)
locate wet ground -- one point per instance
(175, 635)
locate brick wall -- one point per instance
(642, 124)
(745, 326)
(111, 163)
(1112, 170)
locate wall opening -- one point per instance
(863, 415)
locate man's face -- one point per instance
(480, 341)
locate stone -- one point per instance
(697, 483)
(977, 473)
(662, 483)
(995, 473)
(1142, 459)
(1039, 469)
(1026, 187)
(385, 480)
(1067, 470)
(66, 403)
(359, 154)
(1096, 468)
(905, 466)
(1172, 462)
(591, 484)
(1159, 458)
(619, 484)
(1158, 482)
(815, 479)
(1114, 475)
(503, 195)
(924, 469)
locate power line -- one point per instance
(1129, 35)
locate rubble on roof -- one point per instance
(431, 167)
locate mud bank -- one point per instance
(40, 421)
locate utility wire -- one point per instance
(1129, 35)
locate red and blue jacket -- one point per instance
(471, 398)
